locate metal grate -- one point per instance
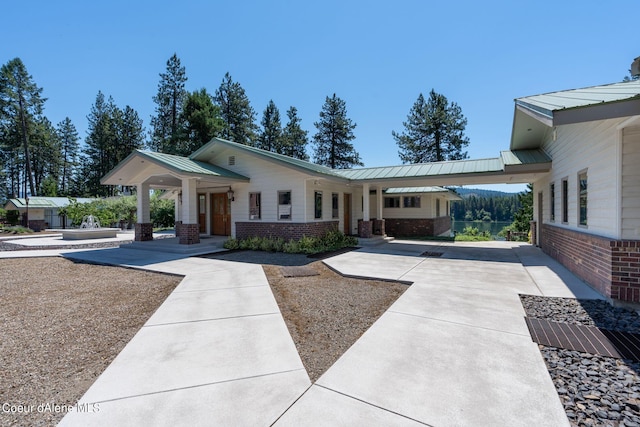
(587, 339)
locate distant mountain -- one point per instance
(479, 192)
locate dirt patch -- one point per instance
(62, 325)
(327, 313)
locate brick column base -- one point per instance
(379, 227)
(189, 234)
(178, 228)
(144, 232)
(365, 229)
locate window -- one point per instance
(582, 197)
(565, 200)
(317, 205)
(284, 204)
(437, 208)
(412, 201)
(254, 206)
(231, 161)
(552, 208)
(392, 202)
(335, 213)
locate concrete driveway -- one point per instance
(453, 350)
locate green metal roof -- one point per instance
(413, 190)
(187, 165)
(547, 103)
(279, 158)
(46, 202)
(523, 157)
(456, 167)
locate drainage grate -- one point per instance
(587, 339)
(431, 254)
(298, 271)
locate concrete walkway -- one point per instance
(453, 350)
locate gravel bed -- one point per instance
(62, 324)
(327, 313)
(594, 390)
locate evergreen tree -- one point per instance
(523, 217)
(434, 131)
(169, 100)
(45, 155)
(69, 148)
(21, 106)
(201, 122)
(236, 112)
(335, 131)
(270, 138)
(294, 138)
(112, 135)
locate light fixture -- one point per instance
(230, 195)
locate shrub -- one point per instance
(331, 241)
(16, 229)
(13, 217)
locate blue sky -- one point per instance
(377, 56)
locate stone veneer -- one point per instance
(610, 266)
(365, 229)
(188, 234)
(413, 227)
(285, 230)
(143, 232)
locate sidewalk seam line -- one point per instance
(458, 323)
(375, 406)
(209, 320)
(196, 386)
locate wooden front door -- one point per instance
(220, 218)
(202, 212)
(347, 214)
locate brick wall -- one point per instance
(188, 234)
(286, 230)
(610, 266)
(414, 227)
(143, 232)
(37, 224)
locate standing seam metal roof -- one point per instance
(187, 165)
(576, 98)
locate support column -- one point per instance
(178, 214)
(365, 226)
(378, 225)
(189, 230)
(144, 227)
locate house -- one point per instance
(230, 189)
(579, 148)
(587, 208)
(43, 211)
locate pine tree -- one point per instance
(294, 138)
(45, 156)
(21, 106)
(100, 145)
(434, 131)
(69, 148)
(335, 131)
(169, 100)
(270, 138)
(201, 122)
(236, 112)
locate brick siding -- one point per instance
(188, 234)
(415, 227)
(610, 266)
(143, 232)
(287, 231)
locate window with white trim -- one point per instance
(255, 211)
(582, 198)
(411, 201)
(317, 204)
(284, 205)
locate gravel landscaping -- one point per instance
(326, 313)
(595, 390)
(62, 324)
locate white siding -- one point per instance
(427, 207)
(583, 146)
(327, 188)
(631, 183)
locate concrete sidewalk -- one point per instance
(453, 350)
(216, 352)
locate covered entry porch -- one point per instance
(202, 193)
